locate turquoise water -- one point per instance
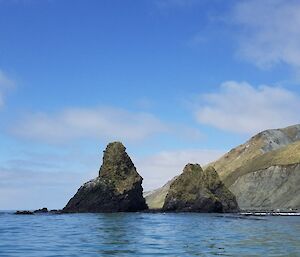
(146, 234)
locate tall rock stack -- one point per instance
(118, 188)
(198, 190)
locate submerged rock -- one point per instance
(118, 188)
(198, 190)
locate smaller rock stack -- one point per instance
(198, 190)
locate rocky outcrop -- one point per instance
(24, 213)
(43, 210)
(198, 190)
(118, 188)
(39, 211)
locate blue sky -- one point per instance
(176, 80)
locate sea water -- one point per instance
(148, 234)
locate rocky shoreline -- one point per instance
(45, 211)
(270, 213)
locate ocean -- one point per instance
(148, 234)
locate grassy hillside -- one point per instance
(156, 198)
(268, 148)
(258, 145)
(287, 155)
(238, 156)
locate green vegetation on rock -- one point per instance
(199, 191)
(118, 188)
(117, 168)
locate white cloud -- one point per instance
(5, 84)
(34, 179)
(270, 31)
(157, 169)
(242, 108)
(32, 188)
(93, 123)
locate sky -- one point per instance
(177, 81)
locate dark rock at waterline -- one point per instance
(24, 213)
(43, 210)
(39, 211)
(118, 188)
(198, 190)
(55, 211)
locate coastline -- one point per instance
(45, 211)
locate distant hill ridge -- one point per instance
(263, 173)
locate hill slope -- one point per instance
(266, 141)
(269, 181)
(263, 173)
(155, 199)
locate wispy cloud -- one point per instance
(32, 188)
(157, 169)
(33, 180)
(6, 83)
(243, 108)
(89, 123)
(269, 31)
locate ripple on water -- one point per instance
(147, 234)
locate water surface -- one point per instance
(148, 234)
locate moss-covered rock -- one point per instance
(198, 190)
(118, 188)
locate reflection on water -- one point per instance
(146, 234)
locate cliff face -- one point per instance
(263, 173)
(270, 188)
(118, 188)
(199, 191)
(270, 181)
